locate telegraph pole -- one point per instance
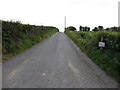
(65, 22)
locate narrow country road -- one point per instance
(54, 63)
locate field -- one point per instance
(108, 57)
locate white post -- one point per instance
(65, 22)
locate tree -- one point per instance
(85, 28)
(88, 28)
(107, 29)
(100, 28)
(71, 28)
(80, 28)
(114, 28)
(95, 29)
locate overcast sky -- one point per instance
(51, 12)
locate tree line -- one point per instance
(95, 29)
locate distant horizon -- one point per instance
(55, 26)
(91, 13)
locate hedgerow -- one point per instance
(17, 37)
(108, 58)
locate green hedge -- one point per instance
(107, 58)
(17, 37)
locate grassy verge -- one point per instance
(17, 37)
(107, 58)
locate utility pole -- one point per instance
(65, 22)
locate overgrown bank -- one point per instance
(17, 37)
(108, 58)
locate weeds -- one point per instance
(16, 37)
(108, 58)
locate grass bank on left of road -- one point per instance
(17, 37)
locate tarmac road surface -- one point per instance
(54, 63)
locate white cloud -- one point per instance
(51, 12)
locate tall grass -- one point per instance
(108, 58)
(16, 37)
